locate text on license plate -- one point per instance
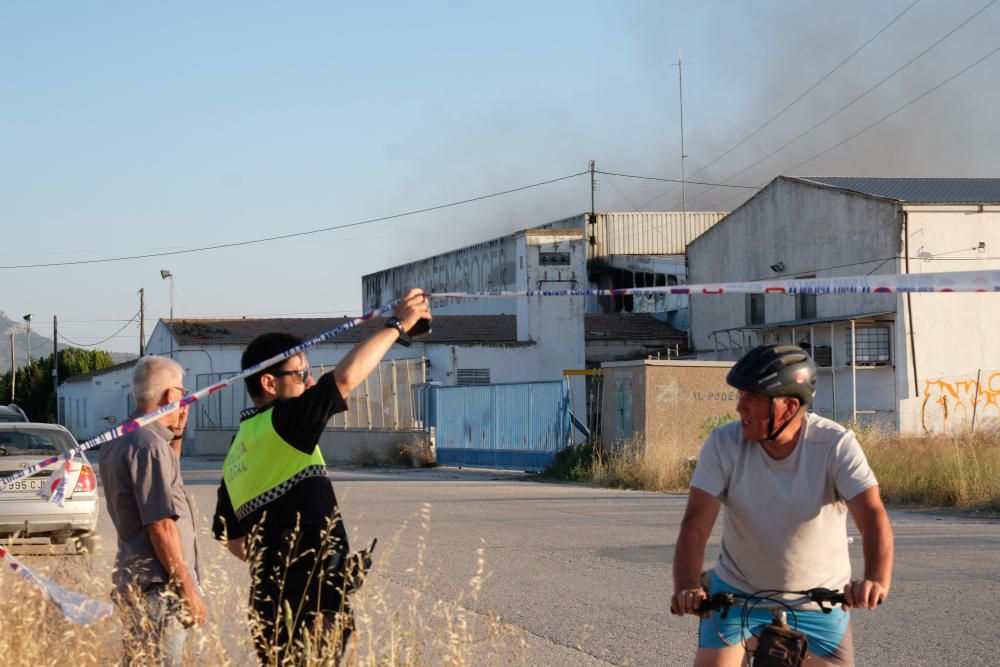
(28, 484)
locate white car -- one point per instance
(12, 413)
(23, 514)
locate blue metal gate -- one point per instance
(519, 426)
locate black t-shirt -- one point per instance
(311, 502)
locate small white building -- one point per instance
(91, 403)
(460, 350)
(910, 361)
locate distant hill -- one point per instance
(40, 345)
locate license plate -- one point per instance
(28, 484)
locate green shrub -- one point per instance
(574, 463)
(714, 422)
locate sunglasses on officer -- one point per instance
(302, 373)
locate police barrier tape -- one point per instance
(77, 608)
(80, 609)
(957, 281)
(943, 282)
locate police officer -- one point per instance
(276, 508)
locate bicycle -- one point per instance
(779, 644)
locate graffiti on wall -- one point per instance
(950, 403)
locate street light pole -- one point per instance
(27, 335)
(55, 365)
(13, 367)
(166, 275)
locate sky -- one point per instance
(137, 128)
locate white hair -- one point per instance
(152, 376)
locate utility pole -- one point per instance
(55, 364)
(592, 229)
(142, 321)
(593, 187)
(13, 367)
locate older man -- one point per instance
(156, 568)
(788, 478)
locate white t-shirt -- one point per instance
(785, 525)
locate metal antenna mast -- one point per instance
(680, 88)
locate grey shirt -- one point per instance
(142, 482)
(785, 521)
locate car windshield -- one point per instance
(28, 441)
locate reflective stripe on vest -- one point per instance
(261, 467)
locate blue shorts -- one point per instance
(826, 632)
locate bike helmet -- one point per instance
(776, 370)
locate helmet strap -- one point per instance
(772, 433)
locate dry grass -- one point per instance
(396, 624)
(34, 632)
(637, 464)
(953, 471)
(960, 470)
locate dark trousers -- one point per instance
(306, 596)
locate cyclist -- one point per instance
(787, 478)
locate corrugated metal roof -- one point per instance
(811, 321)
(469, 329)
(628, 326)
(919, 190)
(482, 329)
(104, 371)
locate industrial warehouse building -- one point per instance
(906, 361)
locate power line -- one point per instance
(134, 318)
(674, 180)
(266, 239)
(618, 190)
(860, 97)
(91, 321)
(897, 110)
(792, 103)
(324, 313)
(883, 118)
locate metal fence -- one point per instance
(383, 402)
(518, 425)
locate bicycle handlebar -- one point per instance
(764, 601)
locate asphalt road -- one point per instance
(582, 575)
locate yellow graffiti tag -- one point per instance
(951, 403)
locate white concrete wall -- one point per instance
(75, 417)
(955, 335)
(507, 363)
(813, 231)
(808, 228)
(954, 404)
(97, 404)
(112, 399)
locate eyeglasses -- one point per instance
(184, 390)
(302, 373)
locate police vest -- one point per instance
(261, 467)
